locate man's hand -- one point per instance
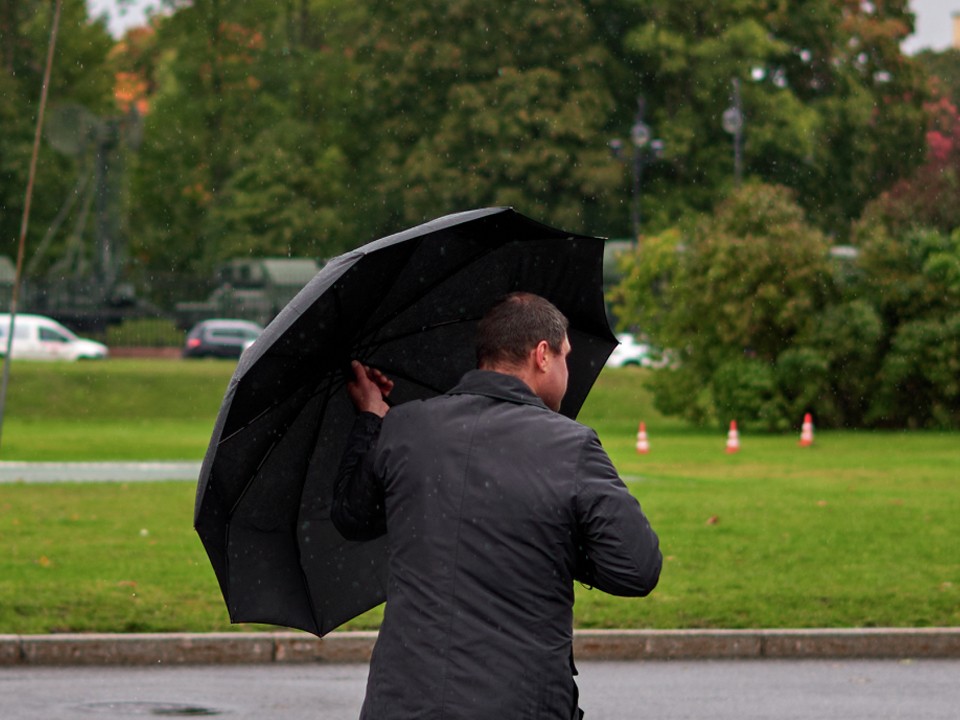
(368, 389)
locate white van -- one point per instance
(36, 337)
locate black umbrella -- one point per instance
(407, 304)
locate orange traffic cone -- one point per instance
(643, 446)
(806, 432)
(733, 438)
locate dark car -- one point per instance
(220, 338)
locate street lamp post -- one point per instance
(643, 148)
(732, 122)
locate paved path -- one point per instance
(677, 690)
(44, 472)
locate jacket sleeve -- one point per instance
(358, 510)
(619, 552)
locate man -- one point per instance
(493, 504)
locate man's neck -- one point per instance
(527, 375)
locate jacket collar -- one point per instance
(497, 385)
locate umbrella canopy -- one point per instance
(407, 304)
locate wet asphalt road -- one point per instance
(714, 690)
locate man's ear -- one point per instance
(541, 355)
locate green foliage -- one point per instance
(488, 104)
(893, 343)
(848, 337)
(912, 275)
(920, 377)
(745, 390)
(754, 275)
(144, 332)
(943, 68)
(802, 378)
(744, 288)
(832, 107)
(311, 127)
(918, 200)
(308, 128)
(681, 392)
(281, 200)
(243, 153)
(79, 76)
(767, 327)
(642, 297)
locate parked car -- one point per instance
(36, 337)
(220, 337)
(629, 352)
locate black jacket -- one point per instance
(493, 505)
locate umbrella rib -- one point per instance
(251, 421)
(303, 573)
(320, 388)
(269, 451)
(382, 341)
(400, 309)
(325, 386)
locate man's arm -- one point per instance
(620, 552)
(358, 510)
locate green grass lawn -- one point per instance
(112, 410)
(860, 530)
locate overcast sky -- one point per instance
(934, 27)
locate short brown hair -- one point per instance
(515, 325)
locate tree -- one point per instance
(479, 104)
(282, 198)
(79, 76)
(832, 107)
(908, 271)
(943, 68)
(240, 155)
(922, 199)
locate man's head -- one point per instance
(526, 335)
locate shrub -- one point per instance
(145, 332)
(920, 378)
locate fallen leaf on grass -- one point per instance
(713, 520)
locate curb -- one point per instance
(355, 647)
